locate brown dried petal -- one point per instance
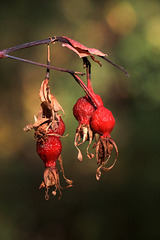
(51, 178)
(90, 133)
(55, 104)
(47, 98)
(28, 127)
(44, 91)
(37, 123)
(79, 156)
(83, 133)
(98, 174)
(70, 182)
(40, 121)
(104, 149)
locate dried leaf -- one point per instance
(80, 49)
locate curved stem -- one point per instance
(86, 89)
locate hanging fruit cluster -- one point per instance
(49, 128)
(95, 121)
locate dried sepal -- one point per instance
(28, 127)
(57, 135)
(90, 136)
(70, 182)
(80, 49)
(83, 134)
(47, 98)
(104, 147)
(48, 115)
(51, 179)
(79, 155)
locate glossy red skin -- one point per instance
(102, 121)
(49, 151)
(83, 109)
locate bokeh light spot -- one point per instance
(122, 18)
(153, 33)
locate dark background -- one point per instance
(124, 204)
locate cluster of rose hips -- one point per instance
(95, 121)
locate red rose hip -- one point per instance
(49, 150)
(83, 110)
(102, 121)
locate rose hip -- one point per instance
(49, 127)
(82, 111)
(84, 108)
(49, 150)
(102, 121)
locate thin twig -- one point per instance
(29, 44)
(44, 65)
(117, 66)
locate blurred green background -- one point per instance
(124, 204)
